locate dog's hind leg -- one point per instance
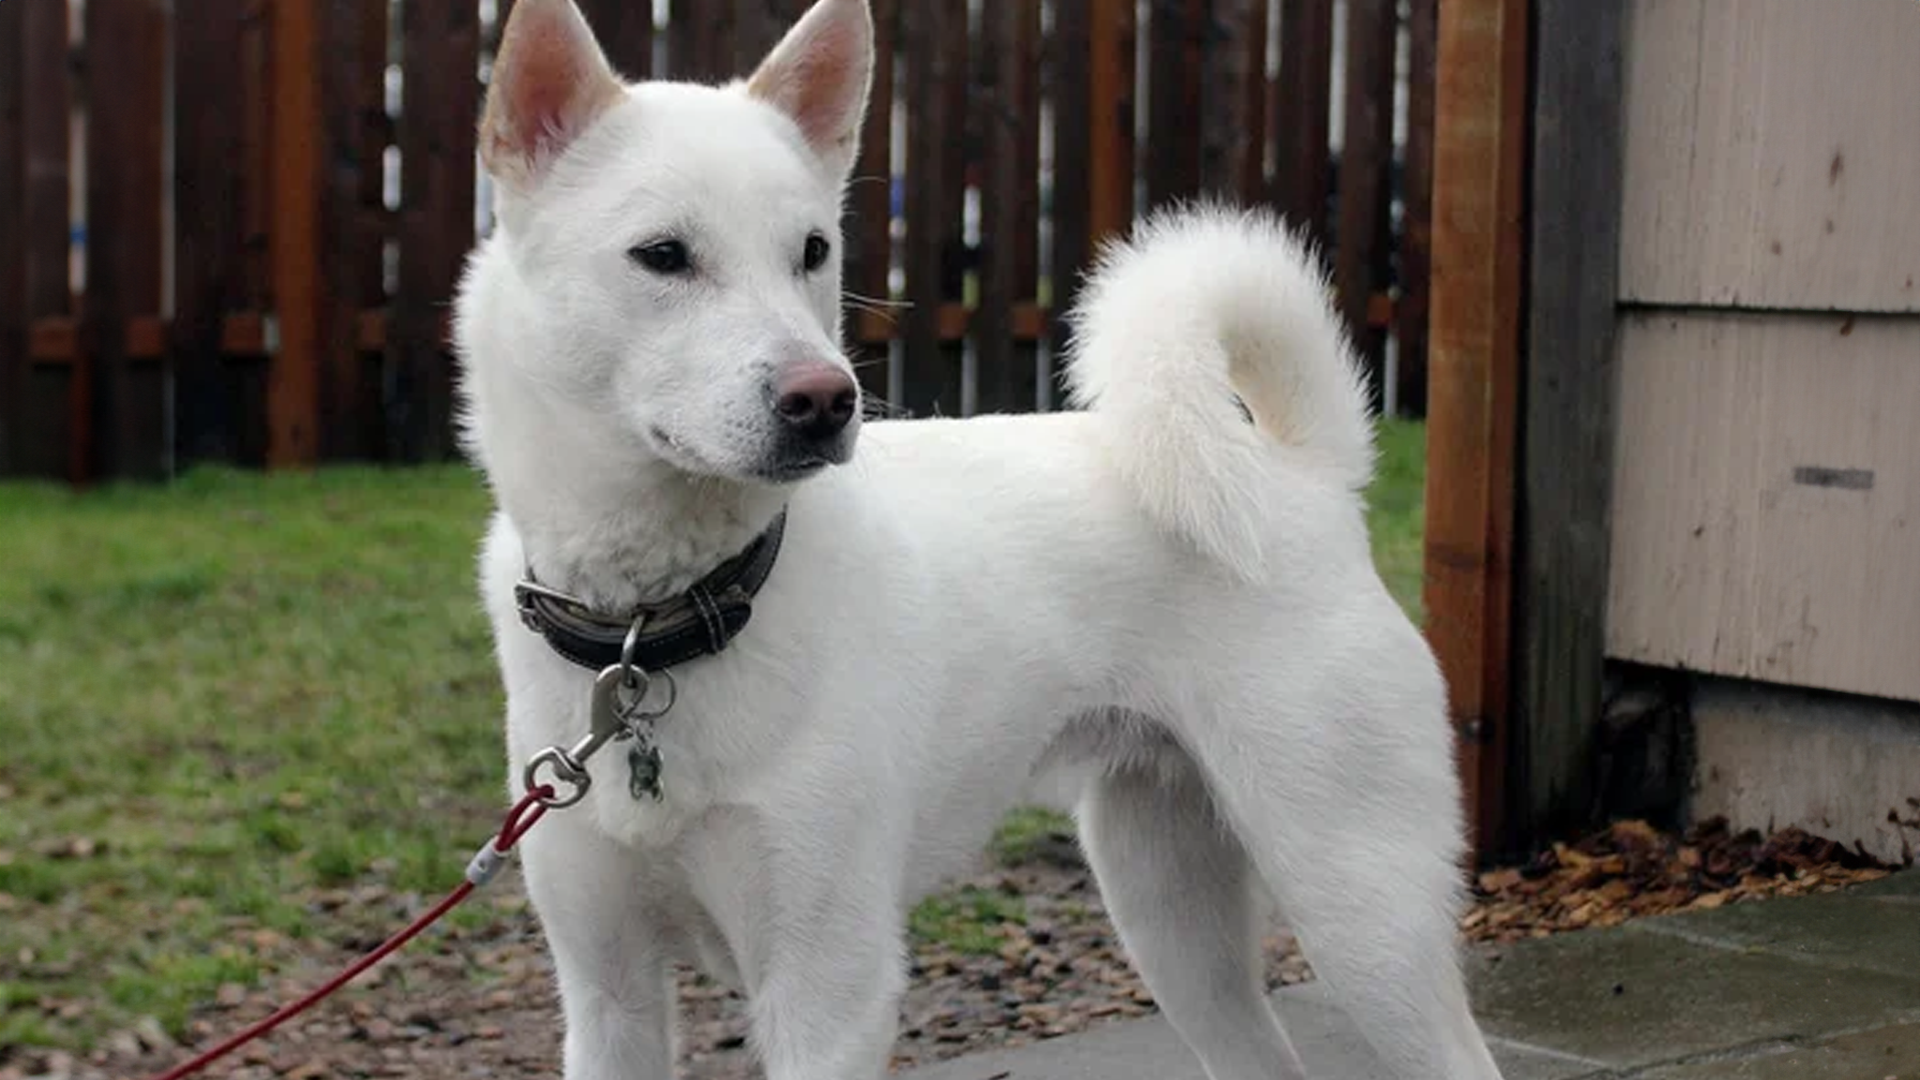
(1183, 896)
(1352, 817)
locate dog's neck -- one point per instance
(609, 523)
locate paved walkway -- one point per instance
(1812, 988)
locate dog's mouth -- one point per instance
(677, 452)
(780, 468)
(788, 472)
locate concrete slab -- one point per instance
(1904, 885)
(1835, 930)
(1630, 998)
(1326, 1039)
(1891, 1053)
(1826, 988)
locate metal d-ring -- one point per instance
(638, 681)
(634, 712)
(632, 674)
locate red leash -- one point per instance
(486, 863)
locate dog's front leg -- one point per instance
(809, 902)
(616, 989)
(830, 1003)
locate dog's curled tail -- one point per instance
(1206, 310)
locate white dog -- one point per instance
(1168, 595)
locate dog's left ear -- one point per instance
(820, 75)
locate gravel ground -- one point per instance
(478, 1002)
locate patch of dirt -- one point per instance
(479, 1002)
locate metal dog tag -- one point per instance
(643, 770)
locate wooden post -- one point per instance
(931, 381)
(353, 89)
(868, 239)
(1567, 430)
(1233, 102)
(1176, 30)
(1302, 120)
(1009, 200)
(1361, 253)
(437, 131)
(1480, 143)
(127, 64)
(1411, 307)
(299, 300)
(13, 256)
(624, 29)
(1110, 48)
(700, 41)
(209, 198)
(54, 408)
(1093, 102)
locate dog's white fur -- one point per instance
(1171, 607)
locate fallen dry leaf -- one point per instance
(1631, 869)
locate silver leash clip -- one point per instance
(618, 710)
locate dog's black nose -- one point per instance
(817, 400)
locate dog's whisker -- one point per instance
(876, 407)
(873, 302)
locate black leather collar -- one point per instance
(699, 622)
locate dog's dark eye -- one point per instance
(662, 257)
(815, 254)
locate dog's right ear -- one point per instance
(550, 83)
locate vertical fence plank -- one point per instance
(1070, 94)
(441, 49)
(868, 242)
(959, 160)
(1112, 47)
(1233, 101)
(13, 256)
(54, 406)
(1093, 142)
(1363, 242)
(700, 40)
(931, 383)
(1568, 427)
(298, 133)
(1025, 101)
(126, 43)
(1009, 199)
(759, 26)
(1479, 167)
(1414, 256)
(1302, 176)
(1176, 36)
(209, 172)
(353, 214)
(256, 121)
(246, 378)
(625, 31)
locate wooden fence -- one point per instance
(233, 236)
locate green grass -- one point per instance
(237, 689)
(1396, 509)
(964, 920)
(220, 696)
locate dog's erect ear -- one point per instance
(820, 74)
(550, 82)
